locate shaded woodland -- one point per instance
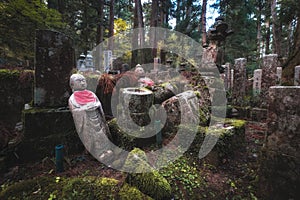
(260, 27)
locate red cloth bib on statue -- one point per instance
(84, 97)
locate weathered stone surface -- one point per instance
(297, 76)
(227, 82)
(257, 82)
(54, 63)
(15, 91)
(278, 75)
(281, 153)
(44, 129)
(269, 77)
(239, 81)
(189, 103)
(146, 179)
(134, 107)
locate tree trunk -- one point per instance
(276, 29)
(203, 20)
(258, 36)
(99, 37)
(268, 27)
(294, 58)
(138, 38)
(111, 24)
(154, 23)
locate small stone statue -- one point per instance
(142, 80)
(89, 118)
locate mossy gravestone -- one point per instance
(54, 60)
(281, 153)
(49, 123)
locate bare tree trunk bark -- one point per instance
(111, 24)
(276, 29)
(154, 23)
(99, 37)
(294, 58)
(258, 36)
(138, 38)
(203, 20)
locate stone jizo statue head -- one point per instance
(78, 82)
(139, 72)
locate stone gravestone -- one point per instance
(54, 60)
(269, 77)
(227, 76)
(45, 128)
(231, 78)
(281, 152)
(239, 81)
(297, 76)
(278, 75)
(257, 82)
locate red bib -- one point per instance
(84, 97)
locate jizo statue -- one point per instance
(89, 118)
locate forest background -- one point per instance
(260, 26)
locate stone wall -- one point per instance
(281, 153)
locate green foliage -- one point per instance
(19, 19)
(184, 178)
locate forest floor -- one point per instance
(236, 177)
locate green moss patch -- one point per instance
(150, 183)
(88, 188)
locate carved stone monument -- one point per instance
(216, 36)
(227, 77)
(278, 75)
(281, 153)
(239, 81)
(54, 60)
(269, 77)
(297, 76)
(257, 82)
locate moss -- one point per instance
(128, 193)
(147, 180)
(237, 123)
(119, 137)
(88, 188)
(184, 178)
(9, 74)
(38, 188)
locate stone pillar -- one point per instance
(257, 82)
(227, 83)
(231, 78)
(239, 81)
(297, 76)
(278, 75)
(156, 63)
(281, 153)
(54, 61)
(269, 66)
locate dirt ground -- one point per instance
(235, 178)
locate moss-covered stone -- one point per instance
(88, 188)
(128, 193)
(46, 128)
(230, 138)
(16, 90)
(145, 178)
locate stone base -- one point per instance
(259, 114)
(46, 128)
